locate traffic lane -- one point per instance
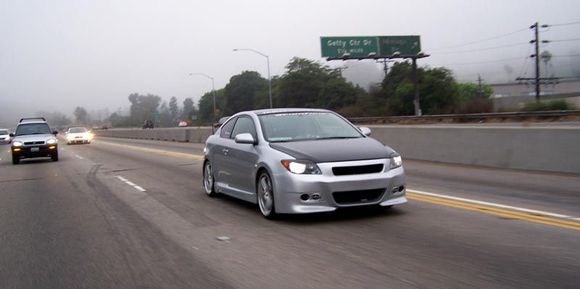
(60, 228)
(558, 193)
(182, 147)
(450, 248)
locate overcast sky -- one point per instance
(57, 54)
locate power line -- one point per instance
(484, 49)
(485, 62)
(481, 40)
(564, 40)
(566, 24)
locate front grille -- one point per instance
(357, 170)
(355, 197)
(27, 143)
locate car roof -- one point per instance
(35, 119)
(286, 110)
(31, 122)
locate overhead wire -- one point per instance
(481, 40)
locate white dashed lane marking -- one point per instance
(135, 186)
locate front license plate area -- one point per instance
(34, 149)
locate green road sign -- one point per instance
(349, 47)
(403, 45)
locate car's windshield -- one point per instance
(77, 130)
(286, 127)
(32, 128)
(3, 131)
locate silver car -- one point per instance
(301, 161)
(4, 136)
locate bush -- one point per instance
(559, 104)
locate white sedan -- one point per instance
(78, 135)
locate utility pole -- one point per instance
(416, 100)
(536, 41)
(537, 79)
(480, 90)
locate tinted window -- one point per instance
(227, 128)
(244, 125)
(33, 128)
(284, 127)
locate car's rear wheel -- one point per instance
(54, 157)
(265, 191)
(208, 180)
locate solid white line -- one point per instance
(135, 186)
(531, 211)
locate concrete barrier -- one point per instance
(529, 148)
(555, 149)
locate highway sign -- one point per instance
(403, 45)
(349, 47)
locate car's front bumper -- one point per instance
(328, 192)
(34, 151)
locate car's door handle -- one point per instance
(225, 151)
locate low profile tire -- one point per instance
(265, 192)
(54, 157)
(208, 180)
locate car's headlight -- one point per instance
(395, 162)
(301, 167)
(16, 144)
(51, 141)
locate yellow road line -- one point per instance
(155, 151)
(497, 212)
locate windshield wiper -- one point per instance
(338, 137)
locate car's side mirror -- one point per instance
(365, 130)
(54, 132)
(245, 138)
(11, 135)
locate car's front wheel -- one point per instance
(54, 157)
(15, 160)
(208, 181)
(265, 192)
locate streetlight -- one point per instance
(212, 88)
(267, 62)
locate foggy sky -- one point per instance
(56, 55)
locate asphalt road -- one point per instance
(132, 214)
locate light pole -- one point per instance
(268, 63)
(212, 88)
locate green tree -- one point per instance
(173, 108)
(244, 91)
(206, 106)
(307, 83)
(143, 107)
(188, 109)
(437, 89)
(81, 115)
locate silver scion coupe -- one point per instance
(301, 161)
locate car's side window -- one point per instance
(244, 125)
(227, 128)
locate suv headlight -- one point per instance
(16, 144)
(301, 167)
(395, 162)
(51, 141)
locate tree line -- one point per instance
(311, 84)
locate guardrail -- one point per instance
(561, 115)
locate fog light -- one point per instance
(16, 149)
(51, 147)
(315, 196)
(304, 197)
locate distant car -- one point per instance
(78, 135)
(301, 161)
(4, 136)
(33, 139)
(182, 124)
(148, 124)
